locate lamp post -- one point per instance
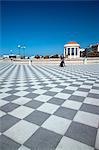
(11, 51)
(24, 47)
(19, 47)
(10, 54)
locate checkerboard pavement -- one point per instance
(48, 107)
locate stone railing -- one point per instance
(55, 61)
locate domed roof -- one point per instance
(72, 42)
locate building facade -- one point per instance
(72, 50)
(91, 51)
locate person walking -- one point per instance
(62, 64)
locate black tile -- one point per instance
(75, 85)
(65, 113)
(93, 95)
(56, 101)
(8, 144)
(46, 88)
(82, 133)
(31, 95)
(43, 139)
(50, 93)
(83, 89)
(7, 121)
(12, 91)
(11, 97)
(90, 108)
(14, 86)
(67, 91)
(9, 107)
(34, 104)
(95, 87)
(76, 98)
(87, 83)
(37, 117)
(29, 90)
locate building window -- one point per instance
(72, 51)
(76, 51)
(65, 51)
(68, 51)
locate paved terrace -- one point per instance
(48, 107)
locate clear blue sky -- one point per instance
(44, 27)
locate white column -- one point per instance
(98, 47)
(64, 52)
(70, 53)
(30, 62)
(74, 52)
(78, 52)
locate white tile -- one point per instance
(21, 101)
(36, 83)
(56, 90)
(96, 85)
(3, 95)
(70, 144)
(23, 148)
(60, 81)
(71, 88)
(97, 140)
(5, 90)
(21, 93)
(96, 79)
(3, 102)
(80, 93)
(48, 82)
(21, 88)
(72, 104)
(87, 118)
(65, 84)
(48, 108)
(92, 78)
(36, 86)
(20, 81)
(21, 112)
(94, 91)
(21, 131)
(39, 91)
(81, 79)
(71, 80)
(57, 124)
(92, 101)
(21, 84)
(78, 83)
(86, 86)
(2, 113)
(7, 85)
(62, 95)
(43, 98)
(87, 81)
(51, 85)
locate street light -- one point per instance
(11, 51)
(24, 47)
(19, 47)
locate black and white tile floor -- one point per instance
(48, 107)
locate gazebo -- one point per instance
(72, 50)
